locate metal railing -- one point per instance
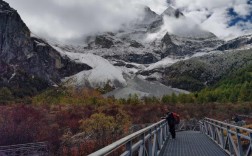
(38, 149)
(233, 139)
(148, 141)
(188, 125)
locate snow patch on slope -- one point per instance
(142, 88)
(162, 63)
(103, 71)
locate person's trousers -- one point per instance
(172, 131)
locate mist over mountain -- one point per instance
(66, 21)
(132, 48)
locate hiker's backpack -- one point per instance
(176, 118)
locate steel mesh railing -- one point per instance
(38, 149)
(233, 139)
(148, 141)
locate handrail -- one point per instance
(39, 148)
(233, 139)
(188, 125)
(227, 124)
(150, 142)
(24, 145)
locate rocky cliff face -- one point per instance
(179, 46)
(129, 51)
(243, 42)
(22, 55)
(144, 50)
(196, 73)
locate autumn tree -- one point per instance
(5, 95)
(100, 127)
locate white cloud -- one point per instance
(243, 9)
(213, 16)
(68, 19)
(211, 4)
(218, 24)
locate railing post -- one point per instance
(159, 137)
(142, 148)
(240, 152)
(230, 146)
(250, 145)
(163, 133)
(208, 129)
(213, 130)
(202, 127)
(129, 148)
(150, 143)
(167, 130)
(154, 149)
(222, 138)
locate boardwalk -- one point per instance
(191, 143)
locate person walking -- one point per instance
(171, 122)
(172, 119)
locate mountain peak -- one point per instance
(5, 6)
(149, 15)
(170, 11)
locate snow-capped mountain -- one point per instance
(144, 49)
(102, 72)
(131, 50)
(125, 59)
(243, 42)
(27, 63)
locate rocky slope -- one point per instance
(196, 73)
(29, 60)
(145, 49)
(135, 43)
(142, 88)
(134, 50)
(243, 42)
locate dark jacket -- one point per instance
(170, 118)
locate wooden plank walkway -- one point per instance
(192, 143)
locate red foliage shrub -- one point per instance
(20, 124)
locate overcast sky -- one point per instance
(68, 19)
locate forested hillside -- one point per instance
(233, 88)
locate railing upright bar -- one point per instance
(218, 137)
(159, 138)
(250, 135)
(142, 148)
(230, 146)
(127, 141)
(167, 131)
(129, 148)
(154, 148)
(206, 128)
(240, 153)
(210, 130)
(249, 151)
(214, 132)
(228, 137)
(164, 133)
(150, 143)
(222, 139)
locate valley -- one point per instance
(56, 91)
